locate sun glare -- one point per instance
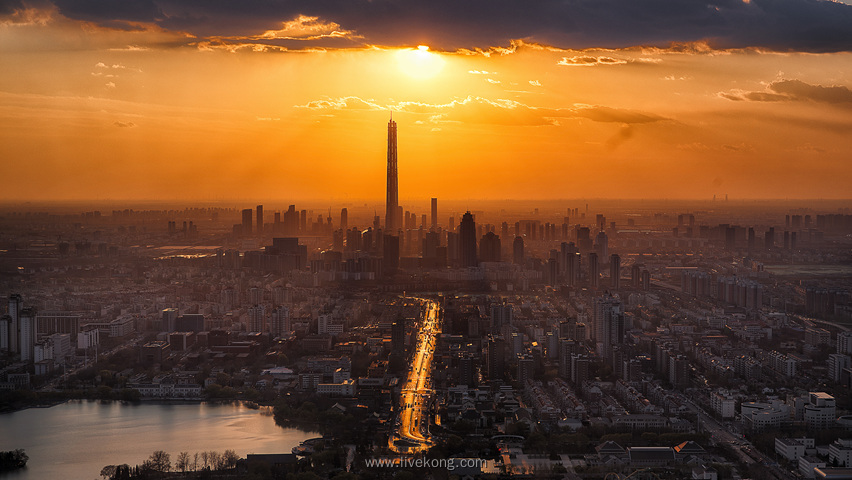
(420, 62)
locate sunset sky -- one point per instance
(286, 100)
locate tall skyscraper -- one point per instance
(392, 223)
(259, 220)
(434, 213)
(594, 270)
(467, 241)
(247, 221)
(614, 271)
(344, 219)
(16, 304)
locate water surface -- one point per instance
(76, 439)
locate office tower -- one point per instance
(646, 280)
(769, 239)
(390, 253)
(518, 251)
(572, 264)
(751, 239)
(635, 276)
(434, 213)
(247, 214)
(614, 271)
(344, 219)
(594, 270)
(259, 220)
(467, 241)
(490, 248)
(303, 221)
(392, 223)
(602, 245)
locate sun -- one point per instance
(419, 62)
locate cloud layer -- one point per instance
(784, 25)
(795, 90)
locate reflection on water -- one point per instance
(76, 439)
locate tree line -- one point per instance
(160, 463)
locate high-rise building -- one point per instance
(392, 221)
(518, 251)
(259, 220)
(434, 213)
(495, 355)
(594, 270)
(280, 321)
(526, 368)
(609, 323)
(27, 319)
(390, 253)
(247, 213)
(614, 271)
(501, 314)
(256, 318)
(344, 219)
(467, 241)
(16, 304)
(398, 336)
(490, 248)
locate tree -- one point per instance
(160, 461)
(195, 462)
(215, 460)
(108, 471)
(182, 462)
(230, 459)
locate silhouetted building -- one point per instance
(614, 271)
(518, 251)
(392, 220)
(259, 220)
(489, 248)
(344, 219)
(467, 241)
(390, 253)
(247, 214)
(594, 270)
(434, 213)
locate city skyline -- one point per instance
(283, 101)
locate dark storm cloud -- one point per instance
(110, 12)
(8, 7)
(795, 90)
(807, 25)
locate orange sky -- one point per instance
(93, 112)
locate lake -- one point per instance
(76, 439)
